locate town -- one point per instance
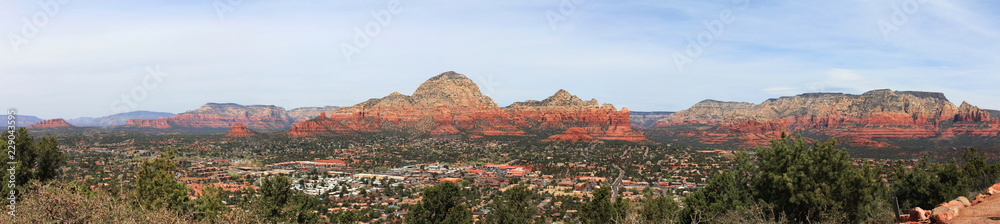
(382, 178)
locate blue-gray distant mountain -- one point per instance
(22, 120)
(647, 119)
(219, 117)
(117, 119)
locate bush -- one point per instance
(928, 184)
(75, 203)
(803, 183)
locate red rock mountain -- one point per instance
(49, 124)
(574, 134)
(864, 120)
(240, 131)
(450, 104)
(305, 113)
(221, 116)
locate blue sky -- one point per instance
(84, 57)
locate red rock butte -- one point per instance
(861, 119)
(574, 134)
(451, 104)
(240, 131)
(53, 123)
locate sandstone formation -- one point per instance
(574, 134)
(450, 103)
(865, 120)
(117, 119)
(968, 113)
(240, 131)
(50, 124)
(305, 113)
(216, 116)
(153, 124)
(960, 210)
(648, 119)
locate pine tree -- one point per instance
(661, 209)
(277, 202)
(209, 204)
(441, 204)
(49, 159)
(156, 185)
(600, 209)
(513, 206)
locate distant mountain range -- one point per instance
(219, 117)
(210, 117)
(883, 119)
(451, 104)
(647, 119)
(22, 120)
(116, 119)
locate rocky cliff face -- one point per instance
(877, 114)
(574, 134)
(450, 103)
(561, 98)
(240, 131)
(51, 124)
(216, 116)
(967, 112)
(305, 113)
(450, 89)
(647, 119)
(117, 119)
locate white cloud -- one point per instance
(288, 53)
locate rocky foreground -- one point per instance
(985, 208)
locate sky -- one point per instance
(68, 59)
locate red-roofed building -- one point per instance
(335, 162)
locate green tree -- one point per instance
(817, 183)
(659, 210)
(513, 206)
(32, 160)
(725, 192)
(277, 202)
(806, 184)
(978, 173)
(49, 158)
(927, 184)
(209, 205)
(156, 185)
(600, 208)
(441, 204)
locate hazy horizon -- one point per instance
(69, 59)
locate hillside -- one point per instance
(875, 119)
(451, 104)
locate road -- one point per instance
(617, 183)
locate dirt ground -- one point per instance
(986, 212)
